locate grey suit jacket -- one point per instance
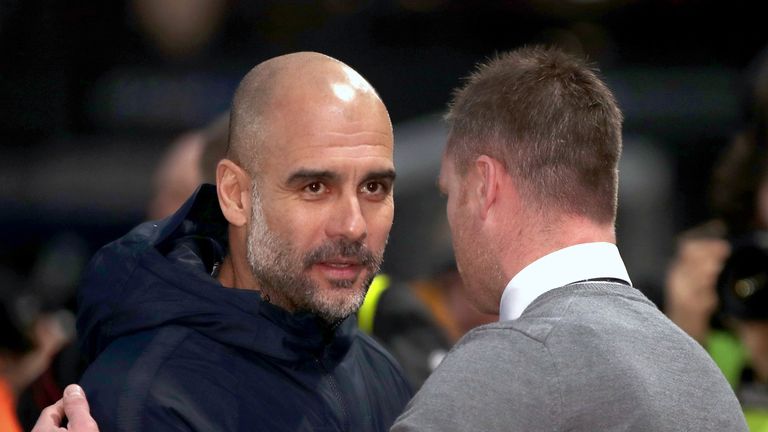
(595, 356)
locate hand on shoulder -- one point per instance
(74, 407)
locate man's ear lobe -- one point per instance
(233, 189)
(488, 171)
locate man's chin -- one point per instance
(340, 288)
(336, 298)
(335, 306)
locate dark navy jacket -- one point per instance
(172, 349)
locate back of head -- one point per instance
(552, 123)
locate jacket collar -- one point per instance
(159, 274)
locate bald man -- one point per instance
(237, 312)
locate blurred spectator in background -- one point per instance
(717, 283)
(444, 294)
(179, 29)
(190, 161)
(174, 72)
(29, 339)
(177, 176)
(407, 328)
(743, 295)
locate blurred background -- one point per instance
(94, 94)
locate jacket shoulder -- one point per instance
(473, 386)
(134, 383)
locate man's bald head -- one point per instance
(288, 86)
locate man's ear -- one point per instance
(488, 172)
(233, 189)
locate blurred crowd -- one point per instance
(169, 76)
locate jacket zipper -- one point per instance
(336, 392)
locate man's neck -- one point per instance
(543, 239)
(226, 276)
(237, 274)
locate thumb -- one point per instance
(77, 410)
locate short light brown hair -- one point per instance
(553, 124)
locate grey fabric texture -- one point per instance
(584, 357)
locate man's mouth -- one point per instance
(341, 269)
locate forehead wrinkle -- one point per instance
(340, 175)
(366, 138)
(340, 150)
(353, 134)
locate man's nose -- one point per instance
(347, 220)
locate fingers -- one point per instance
(74, 406)
(77, 410)
(704, 253)
(697, 265)
(690, 293)
(50, 418)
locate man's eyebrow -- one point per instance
(388, 174)
(304, 175)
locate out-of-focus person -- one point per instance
(189, 161)
(444, 294)
(396, 316)
(177, 176)
(690, 298)
(743, 297)
(29, 340)
(715, 283)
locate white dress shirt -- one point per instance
(562, 267)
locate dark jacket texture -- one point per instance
(172, 349)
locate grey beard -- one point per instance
(279, 268)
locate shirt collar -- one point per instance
(559, 268)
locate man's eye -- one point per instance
(315, 188)
(374, 187)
